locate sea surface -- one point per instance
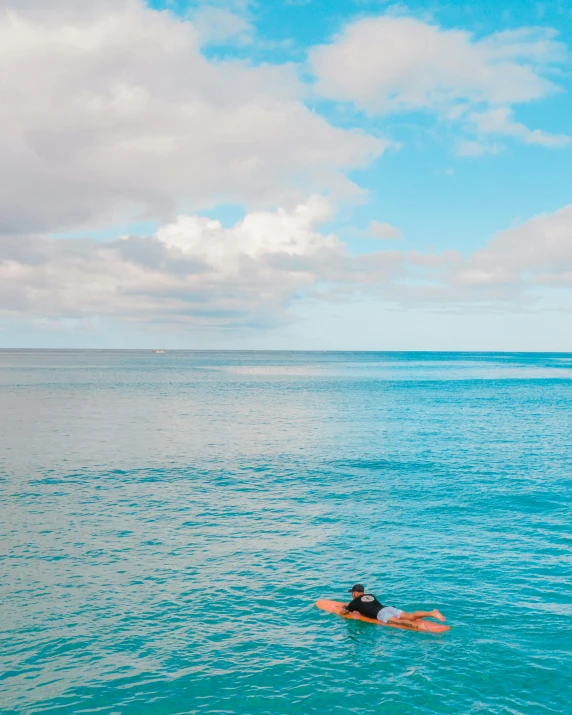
(168, 521)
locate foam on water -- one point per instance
(169, 520)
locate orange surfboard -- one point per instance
(336, 607)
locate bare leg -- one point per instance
(407, 622)
(422, 614)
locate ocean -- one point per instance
(169, 520)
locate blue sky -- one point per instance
(154, 186)
(519, 182)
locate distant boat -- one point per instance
(158, 352)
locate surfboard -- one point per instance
(336, 606)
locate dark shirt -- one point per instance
(366, 604)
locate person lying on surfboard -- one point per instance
(367, 605)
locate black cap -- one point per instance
(357, 587)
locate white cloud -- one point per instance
(377, 229)
(192, 270)
(500, 121)
(110, 112)
(536, 252)
(513, 270)
(196, 272)
(215, 24)
(472, 147)
(400, 64)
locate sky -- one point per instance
(340, 175)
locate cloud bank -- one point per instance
(194, 271)
(111, 112)
(538, 252)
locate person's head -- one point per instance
(357, 590)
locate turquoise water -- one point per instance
(169, 520)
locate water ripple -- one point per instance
(167, 526)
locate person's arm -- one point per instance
(348, 608)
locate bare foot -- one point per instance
(438, 615)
